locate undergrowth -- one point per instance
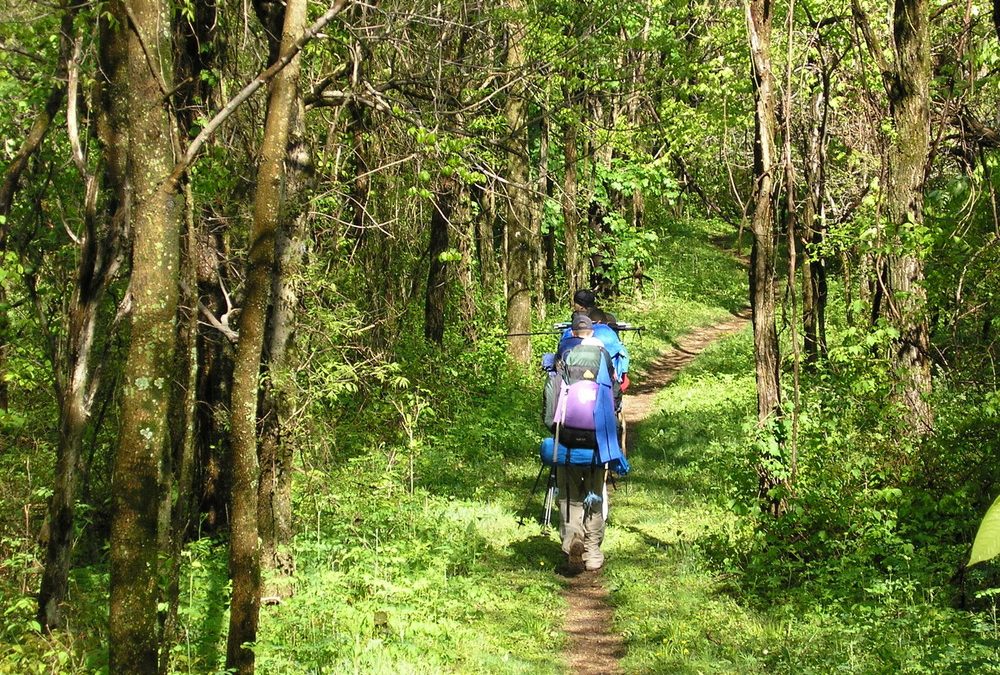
(859, 576)
(413, 473)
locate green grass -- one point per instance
(440, 578)
(671, 600)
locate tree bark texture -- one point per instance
(485, 231)
(906, 304)
(814, 283)
(438, 271)
(571, 215)
(762, 255)
(520, 242)
(139, 57)
(539, 267)
(274, 503)
(244, 547)
(179, 494)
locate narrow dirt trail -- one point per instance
(592, 646)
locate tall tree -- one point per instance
(274, 504)
(135, 40)
(520, 242)
(76, 383)
(438, 271)
(762, 256)
(570, 211)
(244, 545)
(900, 292)
(906, 298)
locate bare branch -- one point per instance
(249, 90)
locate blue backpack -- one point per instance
(580, 401)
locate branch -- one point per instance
(40, 127)
(249, 90)
(221, 326)
(883, 66)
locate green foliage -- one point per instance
(987, 543)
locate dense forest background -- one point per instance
(275, 278)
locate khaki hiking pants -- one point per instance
(586, 522)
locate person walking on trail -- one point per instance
(584, 302)
(582, 487)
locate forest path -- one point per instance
(593, 647)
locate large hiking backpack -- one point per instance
(571, 393)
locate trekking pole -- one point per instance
(527, 502)
(549, 499)
(537, 332)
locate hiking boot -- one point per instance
(576, 554)
(592, 566)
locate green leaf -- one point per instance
(987, 544)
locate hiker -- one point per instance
(581, 397)
(602, 321)
(584, 300)
(602, 331)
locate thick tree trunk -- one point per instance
(139, 35)
(437, 273)
(599, 162)
(762, 256)
(907, 299)
(520, 242)
(244, 545)
(484, 230)
(179, 495)
(274, 506)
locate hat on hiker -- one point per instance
(582, 322)
(584, 298)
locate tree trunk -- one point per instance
(244, 546)
(437, 273)
(599, 162)
(571, 216)
(466, 239)
(520, 242)
(98, 262)
(136, 38)
(762, 255)
(814, 284)
(907, 298)
(538, 216)
(213, 475)
(274, 505)
(485, 226)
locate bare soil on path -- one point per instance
(592, 646)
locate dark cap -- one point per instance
(582, 322)
(584, 298)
